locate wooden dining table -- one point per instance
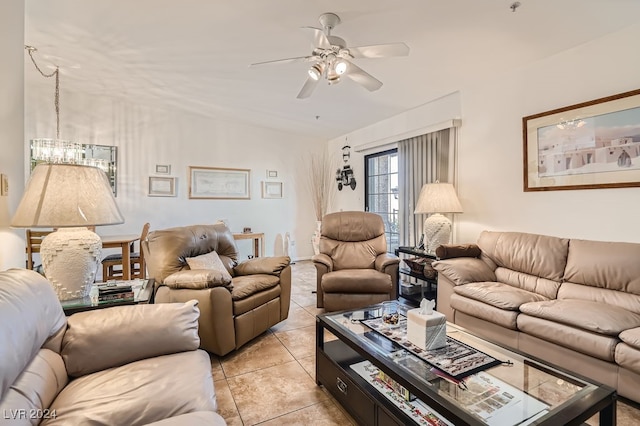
(125, 243)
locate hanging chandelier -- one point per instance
(54, 150)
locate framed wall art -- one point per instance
(162, 186)
(163, 169)
(219, 183)
(594, 144)
(271, 189)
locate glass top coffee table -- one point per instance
(379, 381)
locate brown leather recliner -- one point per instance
(232, 312)
(353, 266)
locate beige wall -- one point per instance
(11, 128)
(490, 175)
(147, 135)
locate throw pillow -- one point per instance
(209, 261)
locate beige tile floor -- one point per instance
(271, 380)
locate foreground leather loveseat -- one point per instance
(237, 301)
(574, 303)
(125, 365)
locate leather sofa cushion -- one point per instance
(538, 255)
(138, 393)
(631, 337)
(592, 316)
(584, 341)
(198, 279)
(37, 386)
(30, 313)
(499, 295)
(255, 301)
(628, 301)
(263, 265)
(464, 270)
(248, 285)
(356, 281)
(628, 357)
(543, 286)
(483, 311)
(105, 338)
(165, 250)
(613, 266)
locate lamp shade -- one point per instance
(67, 195)
(438, 198)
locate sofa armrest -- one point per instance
(385, 260)
(262, 265)
(111, 337)
(449, 251)
(463, 270)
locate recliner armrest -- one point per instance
(263, 265)
(385, 259)
(324, 260)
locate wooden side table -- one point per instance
(258, 241)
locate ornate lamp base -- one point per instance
(437, 231)
(70, 258)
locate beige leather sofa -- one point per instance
(573, 303)
(127, 365)
(254, 297)
(353, 268)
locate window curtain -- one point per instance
(421, 159)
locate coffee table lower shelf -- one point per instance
(361, 400)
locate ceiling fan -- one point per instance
(331, 58)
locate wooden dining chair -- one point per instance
(34, 240)
(112, 264)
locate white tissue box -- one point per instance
(427, 331)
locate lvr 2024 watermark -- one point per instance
(28, 414)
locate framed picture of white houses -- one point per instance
(594, 144)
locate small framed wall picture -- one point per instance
(271, 189)
(272, 174)
(162, 186)
(163, 169)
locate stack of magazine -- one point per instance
(115, 293)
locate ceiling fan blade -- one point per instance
(362, 77)
(287, 60)
(308, 88)
(379, 50)
(319, 38)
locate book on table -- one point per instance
(115, 293)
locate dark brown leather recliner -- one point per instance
(353, 266)
(232, 311)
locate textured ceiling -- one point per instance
(194, 54)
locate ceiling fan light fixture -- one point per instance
(340, 67)
(316, 71)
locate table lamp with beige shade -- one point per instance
(69, 197)
(435, 199)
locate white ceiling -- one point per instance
(194, 54)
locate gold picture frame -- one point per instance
(590, 145)
(219, 183)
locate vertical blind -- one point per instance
(421, 159)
